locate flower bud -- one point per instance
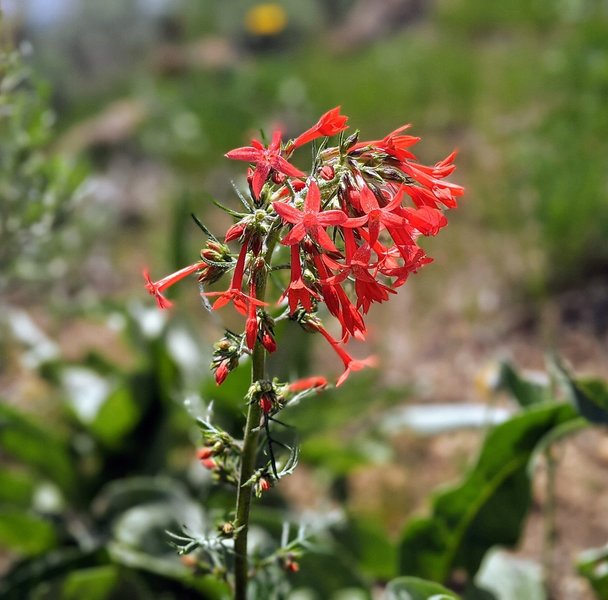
(268, 342)
(236, 231)
(209, 463)
(327, 172)
(266, 403)
(204, 453)
(278, 177)
(221, 372)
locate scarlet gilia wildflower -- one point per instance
(352, 226)
(307, 383)
(155, 288)
(331, 123)
(266, 160)
(348, 231)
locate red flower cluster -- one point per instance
(352, 226)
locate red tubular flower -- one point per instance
(311, 220)
(393, 144)
(331, 123)
(156, 287)
(265, 160)
(251, 325)
(297, 292)
(426, 220)
(307, 383)
(234, 294)
(351, 364)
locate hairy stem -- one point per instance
(250, 445)
(244, 492)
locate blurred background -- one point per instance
(115, 118)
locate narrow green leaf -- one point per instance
(24, 532)
(413, 588)
(488, 507)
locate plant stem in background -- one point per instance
(550, 525)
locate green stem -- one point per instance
(550, 522)
(250, 444)
(244, 492)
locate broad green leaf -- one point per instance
(16, 487)
(117, 416)
(23, 439)
(526, 392)
(330, 453)
(95, 583)
(413, 588)
(488, 507)
(24, 532)
(593, 565)
(370, 548)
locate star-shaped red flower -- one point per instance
(265, 160)
(312, 220)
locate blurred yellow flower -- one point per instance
(268, 18)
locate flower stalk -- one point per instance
(349, 229)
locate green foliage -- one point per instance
(525, 392)
(488, 507)
(593, 565)
(38, 189)
(106, 519)
(27, 533)
(590, 396)
(413, 588)
(32, 444)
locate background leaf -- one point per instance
(526, 392)
(413, 588)
(487, 508)
(25, 532)
(34, 445)
(593, 565)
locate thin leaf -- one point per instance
(203, 228)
